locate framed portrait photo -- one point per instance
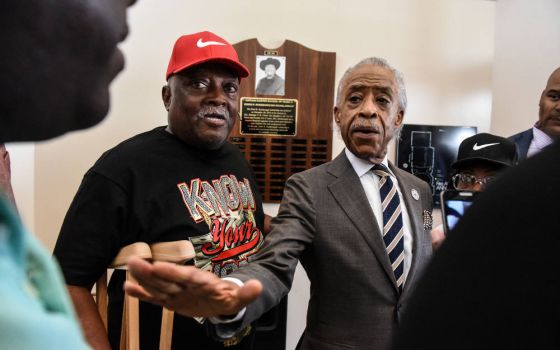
(270, 75)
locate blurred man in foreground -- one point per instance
(494, 284)
(58, 59)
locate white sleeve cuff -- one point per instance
(240, 314)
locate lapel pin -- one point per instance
(428, 220)
(415, 194)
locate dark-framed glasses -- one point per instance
(463, 181)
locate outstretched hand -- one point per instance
(188, 290)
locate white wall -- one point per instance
(446, 59)
(527, 52)
(443, 47)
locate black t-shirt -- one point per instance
(154, 188)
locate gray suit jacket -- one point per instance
(325, 221)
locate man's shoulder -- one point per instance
(131, 149)
(232, 150)
(521, 135)
(412, 180)
(313, 172)
(142, 139)
(337, 166)
(326, 172)
(316, 175)
(403, 174)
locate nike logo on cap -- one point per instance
(477, 147)
(201, 43)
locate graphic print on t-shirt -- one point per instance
(226, 205)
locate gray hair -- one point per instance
(380, 62)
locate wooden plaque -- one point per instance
(309, 81)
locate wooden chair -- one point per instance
(178, 252)
(130, 329)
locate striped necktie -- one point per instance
(393, 233)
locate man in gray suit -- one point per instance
(360, 230)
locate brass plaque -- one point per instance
(278, 136)
(268, 116)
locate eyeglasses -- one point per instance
(467, 181)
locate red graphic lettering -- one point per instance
(230, 242)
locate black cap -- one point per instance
(270, 60)
(486, 148)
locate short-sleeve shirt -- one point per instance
(155, 188)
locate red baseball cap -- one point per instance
(193, 49)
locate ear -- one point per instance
(336, 113)
(166, 96)
(400, 117)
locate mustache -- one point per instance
(365, 124)
(213, 110)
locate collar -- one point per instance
(540, 138)
(362, 166)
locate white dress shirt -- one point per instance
(370, 183)
(540, 140)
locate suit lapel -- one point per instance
(525, 142)
(349, 193)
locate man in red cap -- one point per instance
(175, 182)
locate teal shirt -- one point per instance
(35, 309)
